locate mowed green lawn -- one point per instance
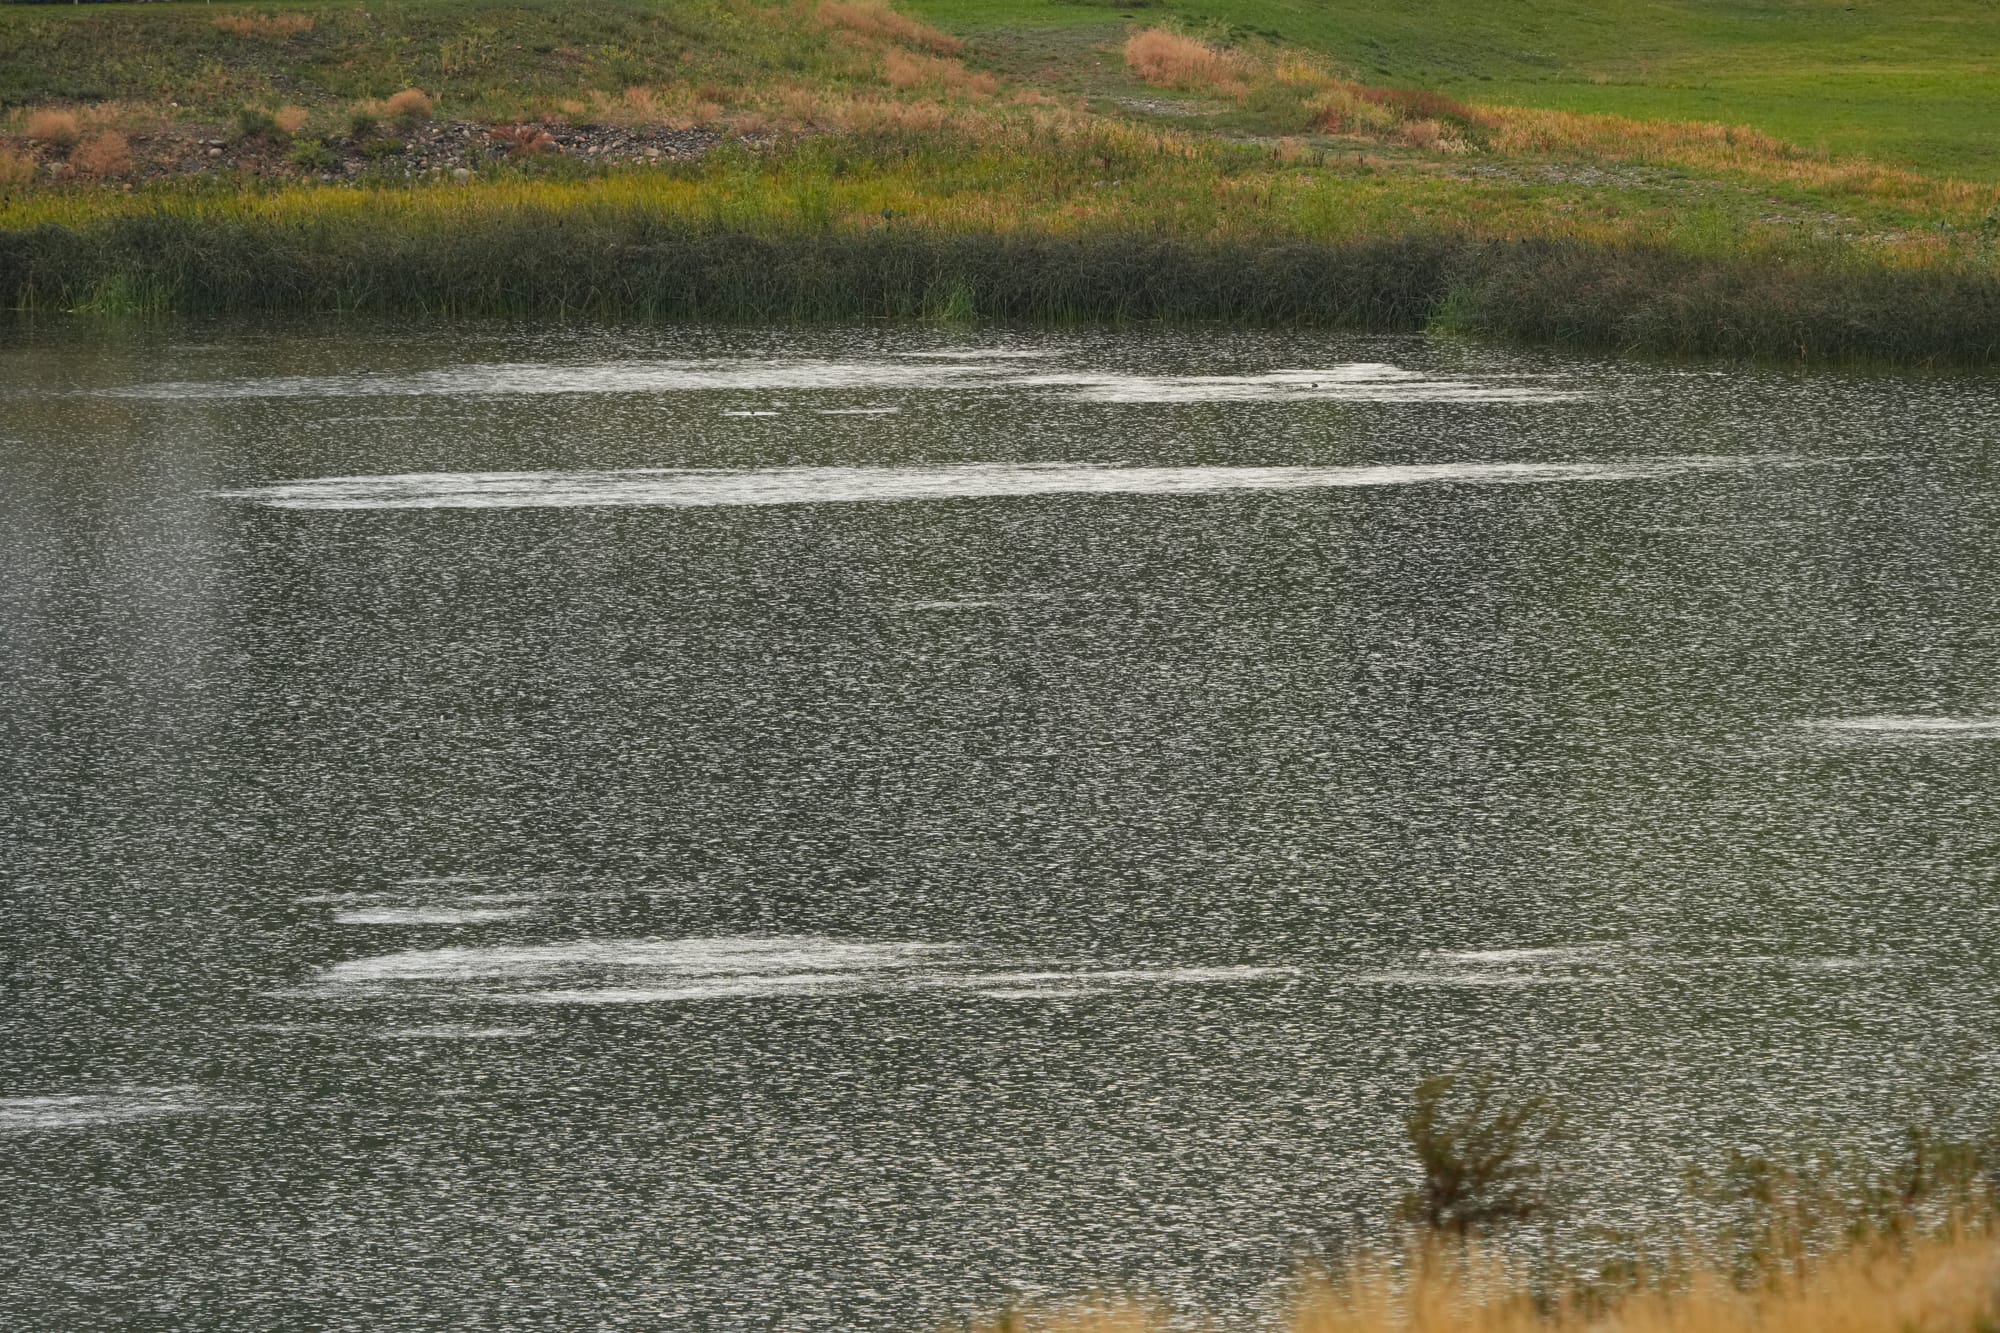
(1909, 81)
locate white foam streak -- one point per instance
(542, 379)
(1891, 727)
(690, 488)
(427, 916)
(20, 1115)
(1419, 977)
(626, 972)
(1348, 382)
(1356, 383)
(1563, 953)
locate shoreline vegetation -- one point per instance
(1814, 1244)
(721, 159)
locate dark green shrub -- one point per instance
(1479, 1151)
(312, 155)
(255, 123)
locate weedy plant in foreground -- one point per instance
(1481, 1156)
(1814, 1245)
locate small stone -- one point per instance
(461, 175)
(215, 152)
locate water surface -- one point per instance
(838, 829)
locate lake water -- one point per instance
(839, 829)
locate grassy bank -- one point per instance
(899, 228)
(604, 252)
(1040, 162)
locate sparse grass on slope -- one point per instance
(1907, 81)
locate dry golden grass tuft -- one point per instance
(105, 154)
(1171, 60)
(264, 25)
(410, 104)
(869, 115)
(15, 168)
(679, 108)
(908, 69)
(876, 22)
(1292, 150)
(292, 119)
(52, 126)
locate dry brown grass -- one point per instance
(873, 21)
(105, 154)
(681, 108)
(909, 69)
(526, 139)
(52, 126)
(15, 168)
(1171, 60)
(292, 119)
(1732, 148)
(1944, 1285)
(410, 104)
(264, 25)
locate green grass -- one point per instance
(487, 60)
(1228, 235)
(1580, 233)
(1909, 81)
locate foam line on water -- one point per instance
(625, 972)
(1478, 978)
(1341, 382)
(1890, 726)
(691, 488)
(427, 916)
(1360, 382)
(1560, 953)
(25, 1115)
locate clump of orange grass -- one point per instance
(1172, 60)
(54, 127)
(291, 119)
(264, 25)
(105, 154)
(1735, 148)
(16, 168)
(908, 69)
(411, 104)
(524, 139)
(874, 21)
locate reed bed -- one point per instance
(625, 249)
